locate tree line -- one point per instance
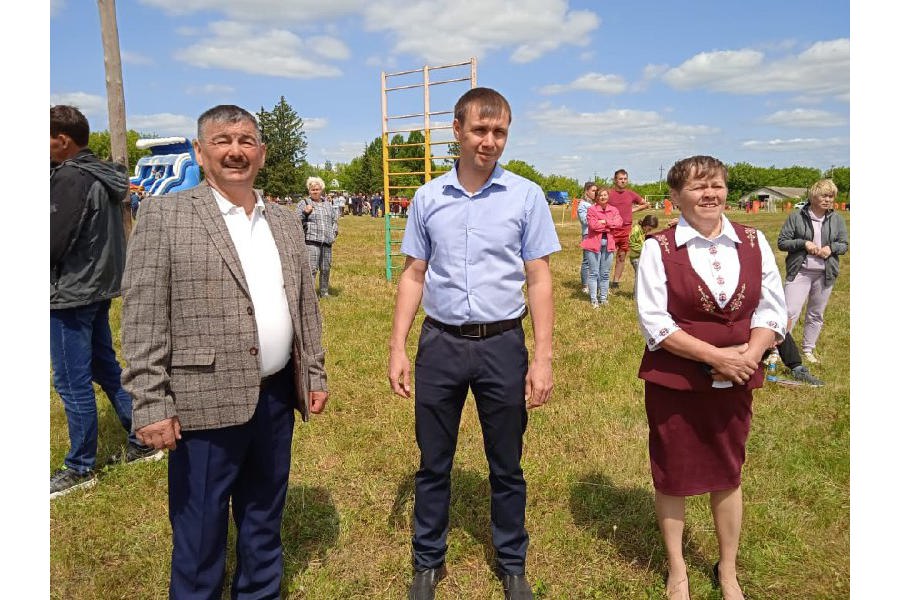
(287, 168)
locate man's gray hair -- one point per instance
(227, 113)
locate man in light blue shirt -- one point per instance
(590, 192)
(474, 237)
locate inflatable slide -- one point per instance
(171, 166)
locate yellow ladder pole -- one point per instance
(425, 79)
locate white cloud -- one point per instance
(591, 82)
(56, 7)
(329, 47)
(274, 52)
(823, 68)
(273, 11)
(793, 145)
(619, 131)
(432, 30)
(614, 122)
(164, 124)
(804, 117)
(343, 152)
(135, 58)
(458, 30)
(314, 123)
(211, 89)
(381, 62)
(89, 104)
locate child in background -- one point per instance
(639, 233)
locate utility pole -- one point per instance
(660, 178)
(115, 94)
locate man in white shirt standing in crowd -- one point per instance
(223, 337)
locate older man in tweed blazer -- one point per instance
(222, 334)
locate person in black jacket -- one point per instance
(87, 259)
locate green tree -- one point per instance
(282, 132)
(841, 178)
(562, 183)
(99, 143)
(522, 168)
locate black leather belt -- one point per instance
(270, 379)
(477, 331)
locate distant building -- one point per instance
(765, 194)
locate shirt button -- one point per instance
(249, 310)
(253, 351)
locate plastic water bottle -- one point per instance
(771, 366)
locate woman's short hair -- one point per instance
(315, 181)
(649, 221)
(823, 187)
(699, 166)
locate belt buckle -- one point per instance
(479, 329)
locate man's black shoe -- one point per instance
(516, 587)
(424, 582)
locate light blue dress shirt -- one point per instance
(476, 245)
(583, 206)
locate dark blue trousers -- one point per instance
(494, 368)
(247, 465)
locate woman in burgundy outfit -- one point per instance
(710, 303)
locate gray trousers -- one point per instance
(320, 262)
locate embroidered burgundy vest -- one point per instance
(693, 307)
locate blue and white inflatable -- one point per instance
(171, 166)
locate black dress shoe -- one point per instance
(516, 587)
(424, 582)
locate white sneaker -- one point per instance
(810, 357)
(585, 290)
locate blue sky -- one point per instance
(594, 86)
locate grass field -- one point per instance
(590, 497)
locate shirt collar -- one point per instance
(499, 176)
(226, 206)
(685, 233)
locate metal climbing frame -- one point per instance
(392, 233)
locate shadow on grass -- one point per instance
(310, 527)
(626, 518)
(470, 507)
(111, 436)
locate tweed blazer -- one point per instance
(188, 331)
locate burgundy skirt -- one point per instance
(697, 439)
